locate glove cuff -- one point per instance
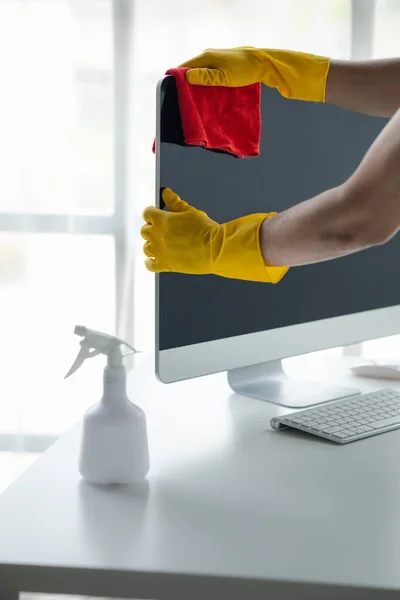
(235, 251)
(297, 75)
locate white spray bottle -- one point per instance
(114, 447)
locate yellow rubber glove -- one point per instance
(295, 75)
(186, 240)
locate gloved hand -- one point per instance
(295, 75)
(186, 240)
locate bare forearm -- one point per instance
(363, 212)
(313, 231)
(370, 87)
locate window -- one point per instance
(386, 29)
(59, 221)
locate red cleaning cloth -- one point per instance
(219, 118)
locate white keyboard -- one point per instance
(348, 419)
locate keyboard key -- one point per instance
(386, 422)
(333, 429)
(358, 430)
(324, 427)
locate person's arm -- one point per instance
(363, 212)
(371, 87)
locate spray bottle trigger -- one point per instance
(85, 352)
(95, 343)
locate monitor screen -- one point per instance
(306, 148)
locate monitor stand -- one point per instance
(269, 382)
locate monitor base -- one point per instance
(269, 382)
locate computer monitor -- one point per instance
(207, 324)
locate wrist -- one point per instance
(267, 236)
(337, 81)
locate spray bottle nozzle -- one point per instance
(95, 343)
(80, 330)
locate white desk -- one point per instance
(232, 509)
